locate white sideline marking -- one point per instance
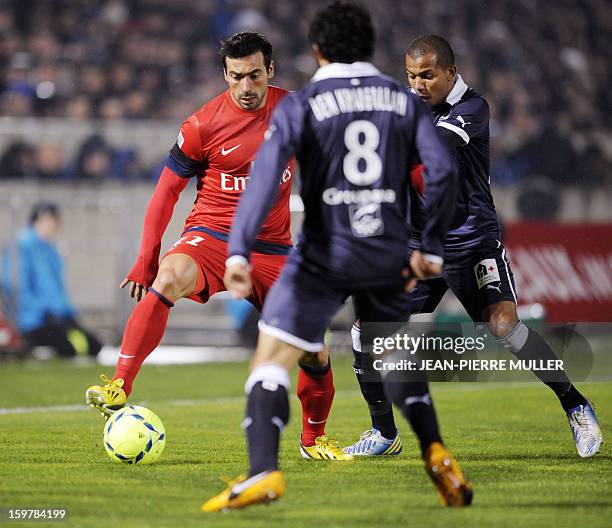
(446, 387)
(47, 408)
(179, 355)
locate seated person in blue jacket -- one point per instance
(45, 314)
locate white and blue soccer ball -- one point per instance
(134, 435)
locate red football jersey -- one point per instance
(224, 139)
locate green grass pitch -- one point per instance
(511, 439)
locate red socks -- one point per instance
(316, 393)
(143, 332)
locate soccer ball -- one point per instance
(134, 435)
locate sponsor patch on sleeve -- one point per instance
(486, 272)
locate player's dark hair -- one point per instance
(244, 44)
(42, 208)
(432, 44)
(343, 31)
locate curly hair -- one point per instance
(244, 44)
(344, 32)
(435, 45)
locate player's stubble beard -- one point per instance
(250, 100)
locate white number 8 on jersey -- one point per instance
(362, 151)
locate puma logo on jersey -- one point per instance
(493, 287)
(228, 151)
(462, 121)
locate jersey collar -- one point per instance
(341, 70)
(457, 92)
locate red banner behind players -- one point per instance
(565, 267)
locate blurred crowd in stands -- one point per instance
(543, 66)
(95, 162)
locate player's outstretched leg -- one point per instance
(177, 277)
(316, 393)
(415, 403)
(383, 438)
(266, 416)
(143, 332)
(527, 344)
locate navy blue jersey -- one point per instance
(463, 121)
(354, 133)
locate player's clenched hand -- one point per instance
(136, 290)
(237, 280)
(420, 268)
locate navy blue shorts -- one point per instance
(478, 279)
(300, 305)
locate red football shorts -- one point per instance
(210, 255)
